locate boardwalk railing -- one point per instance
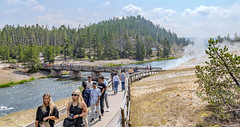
(122, 117)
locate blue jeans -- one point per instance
(123, 85)
(116, 86)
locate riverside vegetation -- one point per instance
(129, 37)
(15, 83)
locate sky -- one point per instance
(187, 18)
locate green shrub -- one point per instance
(92, 60)
(15, 83)
(219, 82)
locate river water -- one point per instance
(29, 95)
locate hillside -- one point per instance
(129, 37)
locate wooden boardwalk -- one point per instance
(119, 104)
(114, 101)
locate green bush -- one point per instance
(92, 60)
(15, 83)
(219, 82)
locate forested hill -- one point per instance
(129, 37)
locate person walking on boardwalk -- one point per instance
(89, 82)
(77, 108)
(123, 79)
(95, 99)
(103, 89)
(86, 94)
(47, 112)
(106, 93)
(111, 75)
(116, 81)
(130, 71)
(119, 70)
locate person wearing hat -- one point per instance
(95, 99)
(106, 93)
(89, 83)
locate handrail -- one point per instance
(125, 106)
(123, 119)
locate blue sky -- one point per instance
(188, 18)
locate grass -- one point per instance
(166, 99)
(113, 65)
(65, 73)
(15, 83)
(158, 59)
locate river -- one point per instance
(29, 95)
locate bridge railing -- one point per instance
(71, 67)
(122, 117)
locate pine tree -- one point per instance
(140, 49)
(166, 48)
(20, 53)
(48, 54)
(219, 82)
(31, 58)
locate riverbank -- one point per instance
(16, 75)
(12, 77)
(17, 82)
(140, 62)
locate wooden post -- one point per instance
(123, 118)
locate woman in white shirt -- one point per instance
(116, 81)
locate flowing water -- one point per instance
(29, 95)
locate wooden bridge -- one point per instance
(96, 71)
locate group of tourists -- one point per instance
(118, 77)
(94, 96)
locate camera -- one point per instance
(71, 116)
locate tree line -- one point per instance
(128, 37)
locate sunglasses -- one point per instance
(74, 94)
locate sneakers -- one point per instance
(107, 110)
(100, 118)
(91, 120)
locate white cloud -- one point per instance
(156, 12)
(81, 10)
(55, 20)
(202, 21)
(10, 11)
(107, 3)
(213, 11)
(132, 10)
(19, 2)
(38, 8)
(161, 11)
(81, 20)
(32, 5)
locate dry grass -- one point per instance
(22, 118)
(167, 99)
